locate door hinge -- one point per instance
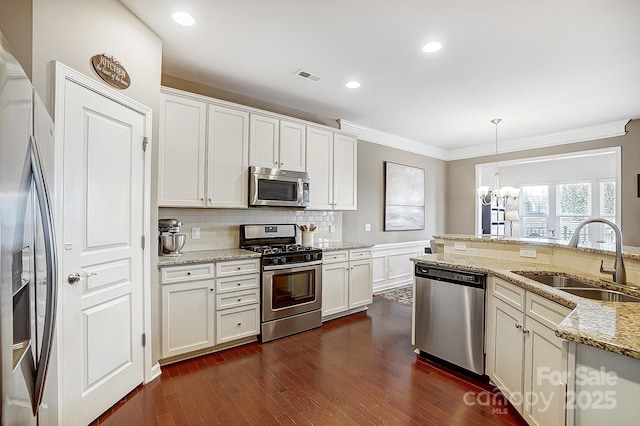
(144, 339)
(145, 142)
(143, 242)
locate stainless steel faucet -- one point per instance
(618, 272)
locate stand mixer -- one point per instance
(171, 241)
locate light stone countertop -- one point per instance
(206, 256)
(628, 252)
(612, 326)
(340, 245)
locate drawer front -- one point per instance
(237, 267)
(175, 274)
(545, 311)
(509, 293)
(241, 282)
(233, 324)
(237, 298)
(359, 254)
(335, 256)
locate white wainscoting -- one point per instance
(391, 264)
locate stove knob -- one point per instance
(283, 260)
(307, 257)
(275, 260)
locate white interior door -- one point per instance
(103, 207)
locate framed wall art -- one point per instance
(403, 197)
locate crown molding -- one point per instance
(393, 141)
(598, 131)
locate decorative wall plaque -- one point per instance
(111, 71)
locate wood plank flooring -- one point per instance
(357, 370)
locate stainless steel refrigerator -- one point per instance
(28, 265)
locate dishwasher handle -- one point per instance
(465, 278)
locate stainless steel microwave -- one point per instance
(278, 188)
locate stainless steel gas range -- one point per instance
(291, 280)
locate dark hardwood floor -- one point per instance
(357, 370)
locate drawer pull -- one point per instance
(188, 273)
(239, 267)
(210, 289)
(239, 324)
(239, 284)
(239, 300)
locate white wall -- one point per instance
(72, 31)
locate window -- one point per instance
(574, 206)
(535, 210)
(608, 208)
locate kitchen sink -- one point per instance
(579, 288)
(558, 281)
(601, 294)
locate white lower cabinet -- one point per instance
(187, 317)
(346, 281)
(200, 311)
(525, 359)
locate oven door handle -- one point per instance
(291, 265)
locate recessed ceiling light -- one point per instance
(352, 85)
(431, 47)
(183, 18)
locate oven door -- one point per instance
(289, 290)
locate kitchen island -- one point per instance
(596, 338)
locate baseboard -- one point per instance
(155, 372)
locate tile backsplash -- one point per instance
(219, 228)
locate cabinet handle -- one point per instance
(525, 331)
(239, 300)
(239, 267)
(239, 324)
(210, 289)
(201, 199)
(188, 273)
(518, 325)
(282, 164)
(239, 283)
(210, 200)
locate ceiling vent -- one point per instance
(308, 76)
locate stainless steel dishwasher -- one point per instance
(449, 316)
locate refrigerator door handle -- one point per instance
(44, 203)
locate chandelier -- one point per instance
(497, 196)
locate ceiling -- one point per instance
(543, 66)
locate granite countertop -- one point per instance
(628, 252)
(612, 326)
(206, 256)
(340, 245)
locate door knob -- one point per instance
(74, 277)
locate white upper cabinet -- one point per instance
(332, 168)
(264, 141)
(227, 157)
(320, 168)
(277, 143)
(293, 143)
(345, 172)
(181, 156)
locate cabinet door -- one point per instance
(507, 353)
(320, 168)
(545, 370)
(293, 143)
(360, 283)
(181, 155)
(263, 141)
(227, 158)
(187, 317)
(345, 173)
(335, 288)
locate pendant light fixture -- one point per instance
(497, 196)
